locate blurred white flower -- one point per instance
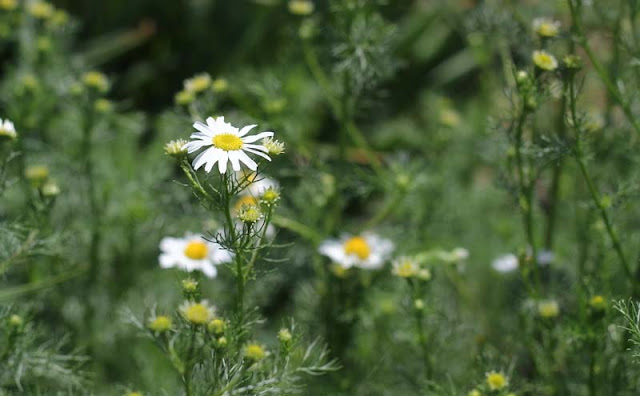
(259, 184)
(7, 129)
(192, 253)
(227, 144)
(546, 257)
(367, 251)
(505, 263)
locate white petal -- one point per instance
(255, 138)
(244, 158)
(202, 128)
(201, 159)
(223, 157)
(256, 147)
(246, 130)
(166, 261)
(212, 159)
(209, 270)
(234, 158)
(263, 155)
(195, 146)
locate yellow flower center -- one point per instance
(544, 60)
(197, 313)
(160, 324)
(254, 352)
(496, 381)
(357, 246)
(227, 142)
(196, 250)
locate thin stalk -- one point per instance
(525, 197)
(600, 70)
(240, 279)
(595, 195)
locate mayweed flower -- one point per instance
(274, 147)
(219, 85)
(474, 392)
(198, 83)
(37, 175)
(198, 313)
(254, 352)
(270, 197)
(368, 251)
(505, 263)
(50, 189)
(284, 335)
(184, 98)
(496, 380)
(598, 303)
(7, 130)
(548, 309)
(8, 5)
(160, 324)
(418, 304)
(544, 60)
(175, 148)
(545, 27)
(190, 286)
(405, 267)
(301, 7)
(249, 214)
(15, 320)
(192, 253)
(103, 105)
(217, 326)
(41, 10)
(228, 144)
(96, 80)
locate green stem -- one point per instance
(525, 197)
(600, 70)
(595, 195)
(240, 278)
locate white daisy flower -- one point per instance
(7, 129)
(227, 144)
(505, 263)
(192, 253)
(367, 251)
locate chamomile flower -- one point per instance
(367, 251)
(192, 253)
(7, 129)
(505, 263)
(546, 27)
(496, 380)
(544, 60)
(198, 313)
(225, 143)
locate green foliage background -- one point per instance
(399, 117)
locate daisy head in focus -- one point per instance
(225, 143)
(367, 251)
(192, 253)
